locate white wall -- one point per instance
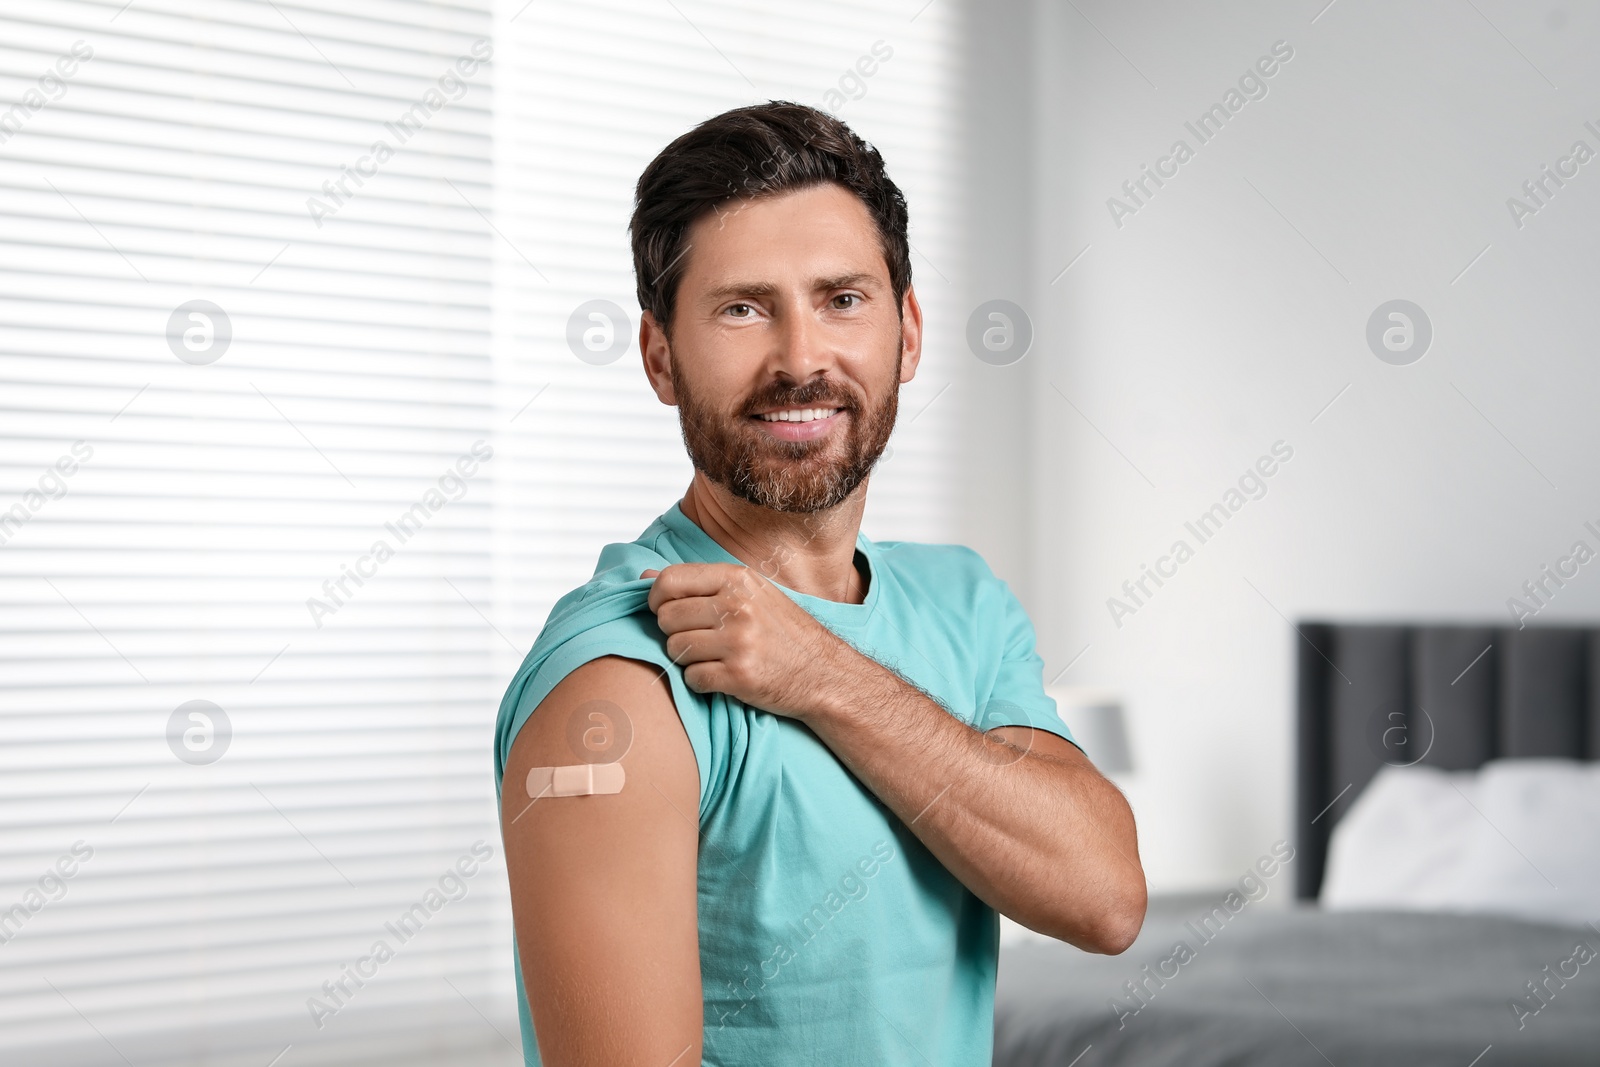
(1231, 308)
(995, 116)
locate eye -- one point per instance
(734, 309)
(855, 299)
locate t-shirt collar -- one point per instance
(702, 547)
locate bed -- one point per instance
(1277, 986)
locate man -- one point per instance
(766, 783)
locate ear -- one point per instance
(911, 332)
(657, 353)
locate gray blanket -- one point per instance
(1304, 987)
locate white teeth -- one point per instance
(799, 415)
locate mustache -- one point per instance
(816, 393)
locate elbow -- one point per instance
(1121, 924)
(1109, 926)
(1118, 921)
(1125, 896)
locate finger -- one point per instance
(691, 579)
(649, 573)
(709, 677)
(695, 646)
(690, 613)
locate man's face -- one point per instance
(787, 348)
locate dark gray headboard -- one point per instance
(1450, 696)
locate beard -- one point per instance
(790, 476)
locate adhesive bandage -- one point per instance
(578, 780)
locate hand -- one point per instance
(735, 632)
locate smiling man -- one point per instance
(766, 784)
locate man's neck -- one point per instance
(809, 552)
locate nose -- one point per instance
(801, 349)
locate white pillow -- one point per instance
(1537, 851)
(1404, 842)
(1518, 838)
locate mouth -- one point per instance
(797, 423)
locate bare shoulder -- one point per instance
(603, 886)
(610, 709)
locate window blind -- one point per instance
(188, 488)
(297, 456)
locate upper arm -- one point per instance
(603, 887)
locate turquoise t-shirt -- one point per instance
(829, 934)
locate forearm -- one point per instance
(1044, 839)
(1039, 835)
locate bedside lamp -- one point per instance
(1096, 720)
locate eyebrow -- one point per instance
(841, 281)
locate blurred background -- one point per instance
(319, 385)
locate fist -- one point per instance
(733, 631)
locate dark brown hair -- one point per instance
(753, 152)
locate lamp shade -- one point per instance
(1097, 723)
